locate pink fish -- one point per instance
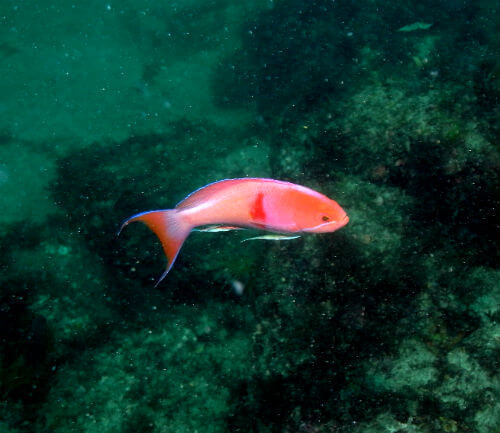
(258, 203)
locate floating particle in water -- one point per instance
(238, 287)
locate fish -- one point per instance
(256, 203)
(415, 26)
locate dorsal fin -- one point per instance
(206, 192)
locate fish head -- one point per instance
(325, 217)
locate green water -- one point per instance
(390, 324)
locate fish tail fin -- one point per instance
(170, 228)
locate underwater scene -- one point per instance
(346, 280)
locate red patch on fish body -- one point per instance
(257, 212)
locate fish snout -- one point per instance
(329, 226)
(335, 225)
(341, 223)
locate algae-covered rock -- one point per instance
(465, 381)
(486, 418)
(167, 378)
(10, 415)
(413, 370)
(387, 423)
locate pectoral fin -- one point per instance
(272, 238)
(217, 228)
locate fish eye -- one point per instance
(325, 218)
